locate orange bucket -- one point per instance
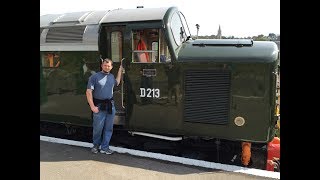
(273, 151)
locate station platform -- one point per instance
(63, 161)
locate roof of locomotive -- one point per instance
(108, 16)
(77, 31)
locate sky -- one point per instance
(239, 18)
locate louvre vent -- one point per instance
(65, 34)
(207, 94)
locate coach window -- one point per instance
(116, 46)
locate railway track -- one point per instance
(211, 150)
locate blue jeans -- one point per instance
(103, 127)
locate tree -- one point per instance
(260, 37)
(272, 36)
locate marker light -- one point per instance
(239, 121)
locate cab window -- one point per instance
(116, 46)
(50, 60)
(178, 30)
(149, 46)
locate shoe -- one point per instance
(108, 151)
(94, 149)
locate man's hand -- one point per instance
(121, 62)
(94, 109)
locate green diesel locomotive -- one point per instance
(172, 85)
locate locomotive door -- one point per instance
(112, 47)
(147, 80)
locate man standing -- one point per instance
(100, 98)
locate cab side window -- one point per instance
(164, 50)
(50, 60)
(116, 46)
(146, 44)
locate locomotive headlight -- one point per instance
(239, 121)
